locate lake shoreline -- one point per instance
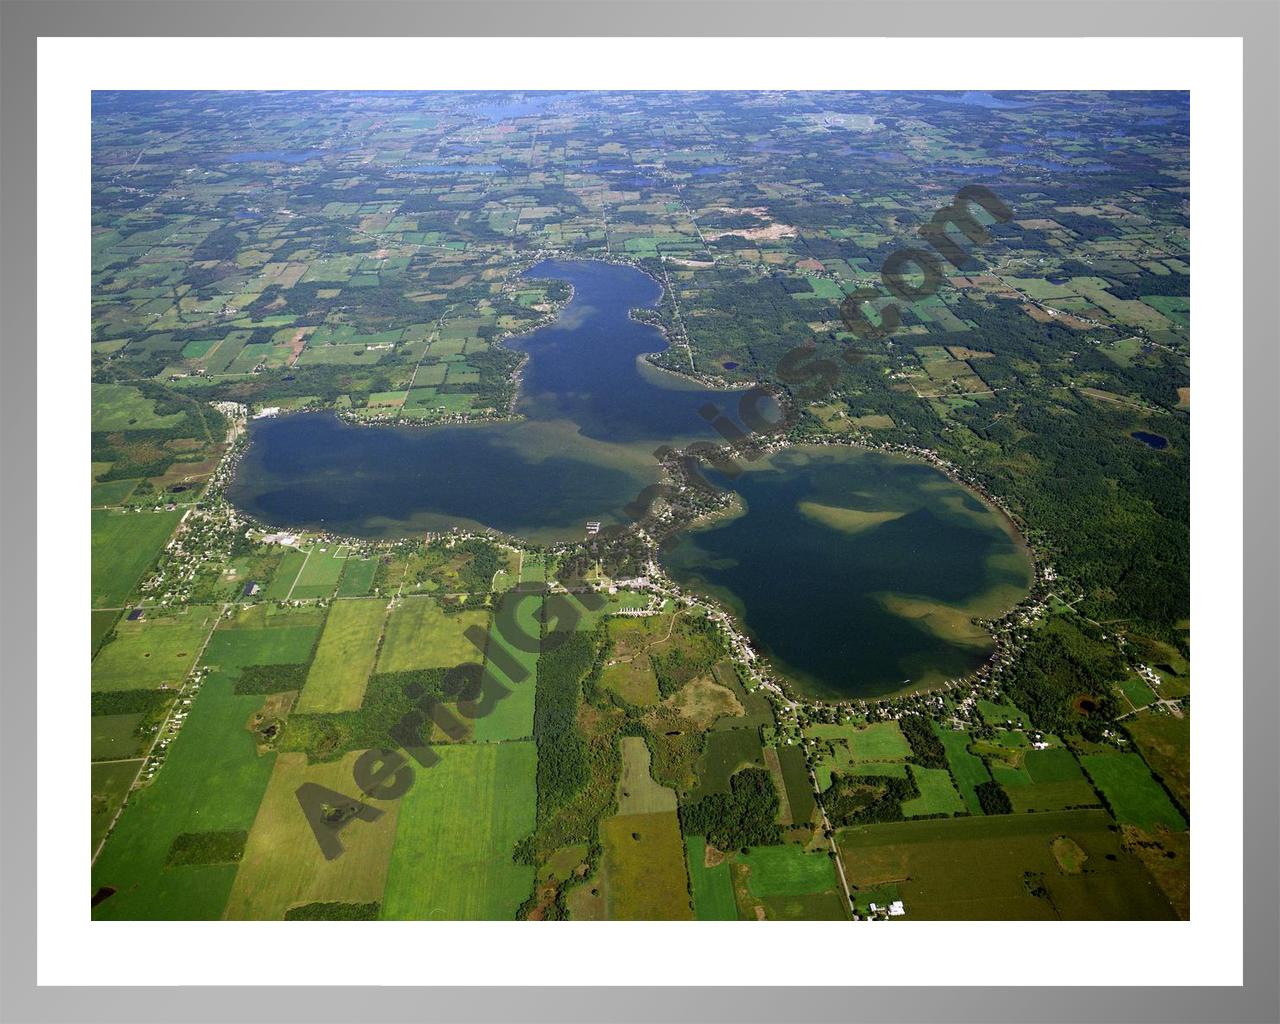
(417, 514)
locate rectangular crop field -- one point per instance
(969, 770)
(937, 794)
(1165, 743)
(112, 492)
(100, 623)
(780, 784)
(533, 568)
(254, 638)
(282, 582)
(115, 737)
(712, 886)
(645, 876)
(880, 741)
(421, 635)
(799, 788)
(1135, 796)
(1002, 867)
(283, 865)
(783, 883)
(1050, 780)
(153, 652)
(320, 572)
(1137, 692)
(357, 577)
(124, 544)
(456, 829)
(787, 870)
(512, 668)
(344, 659)
(111, 781)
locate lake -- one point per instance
(1156, 441)
(593, 411)
(856, 571)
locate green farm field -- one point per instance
(644, 868)
(344, 659)
(282, 582)
(100, 623)
(357, 577)
(712, 886)
(152, 653)
(124, 545)
(1165, 742)
(120, 407)
(937, 794)
(110, 781)
(458, 824)
(969, 770)
(783, 883)
(115, 737)
(976, 868)
(421, 635)
(1054, 782)
(213, 779)
(319, 574)
(283, 866)
(512, 716)
(725, 752)
(249, 640)
(881, 741)
(112, 492)
(795, 777)
(780, 784)
(1137, 692)
(1135, 797)
(788, 871)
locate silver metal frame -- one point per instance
(21, 23)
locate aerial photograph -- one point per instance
(614, 506)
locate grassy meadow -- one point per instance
(457, 825)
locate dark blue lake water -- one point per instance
(857, 572)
